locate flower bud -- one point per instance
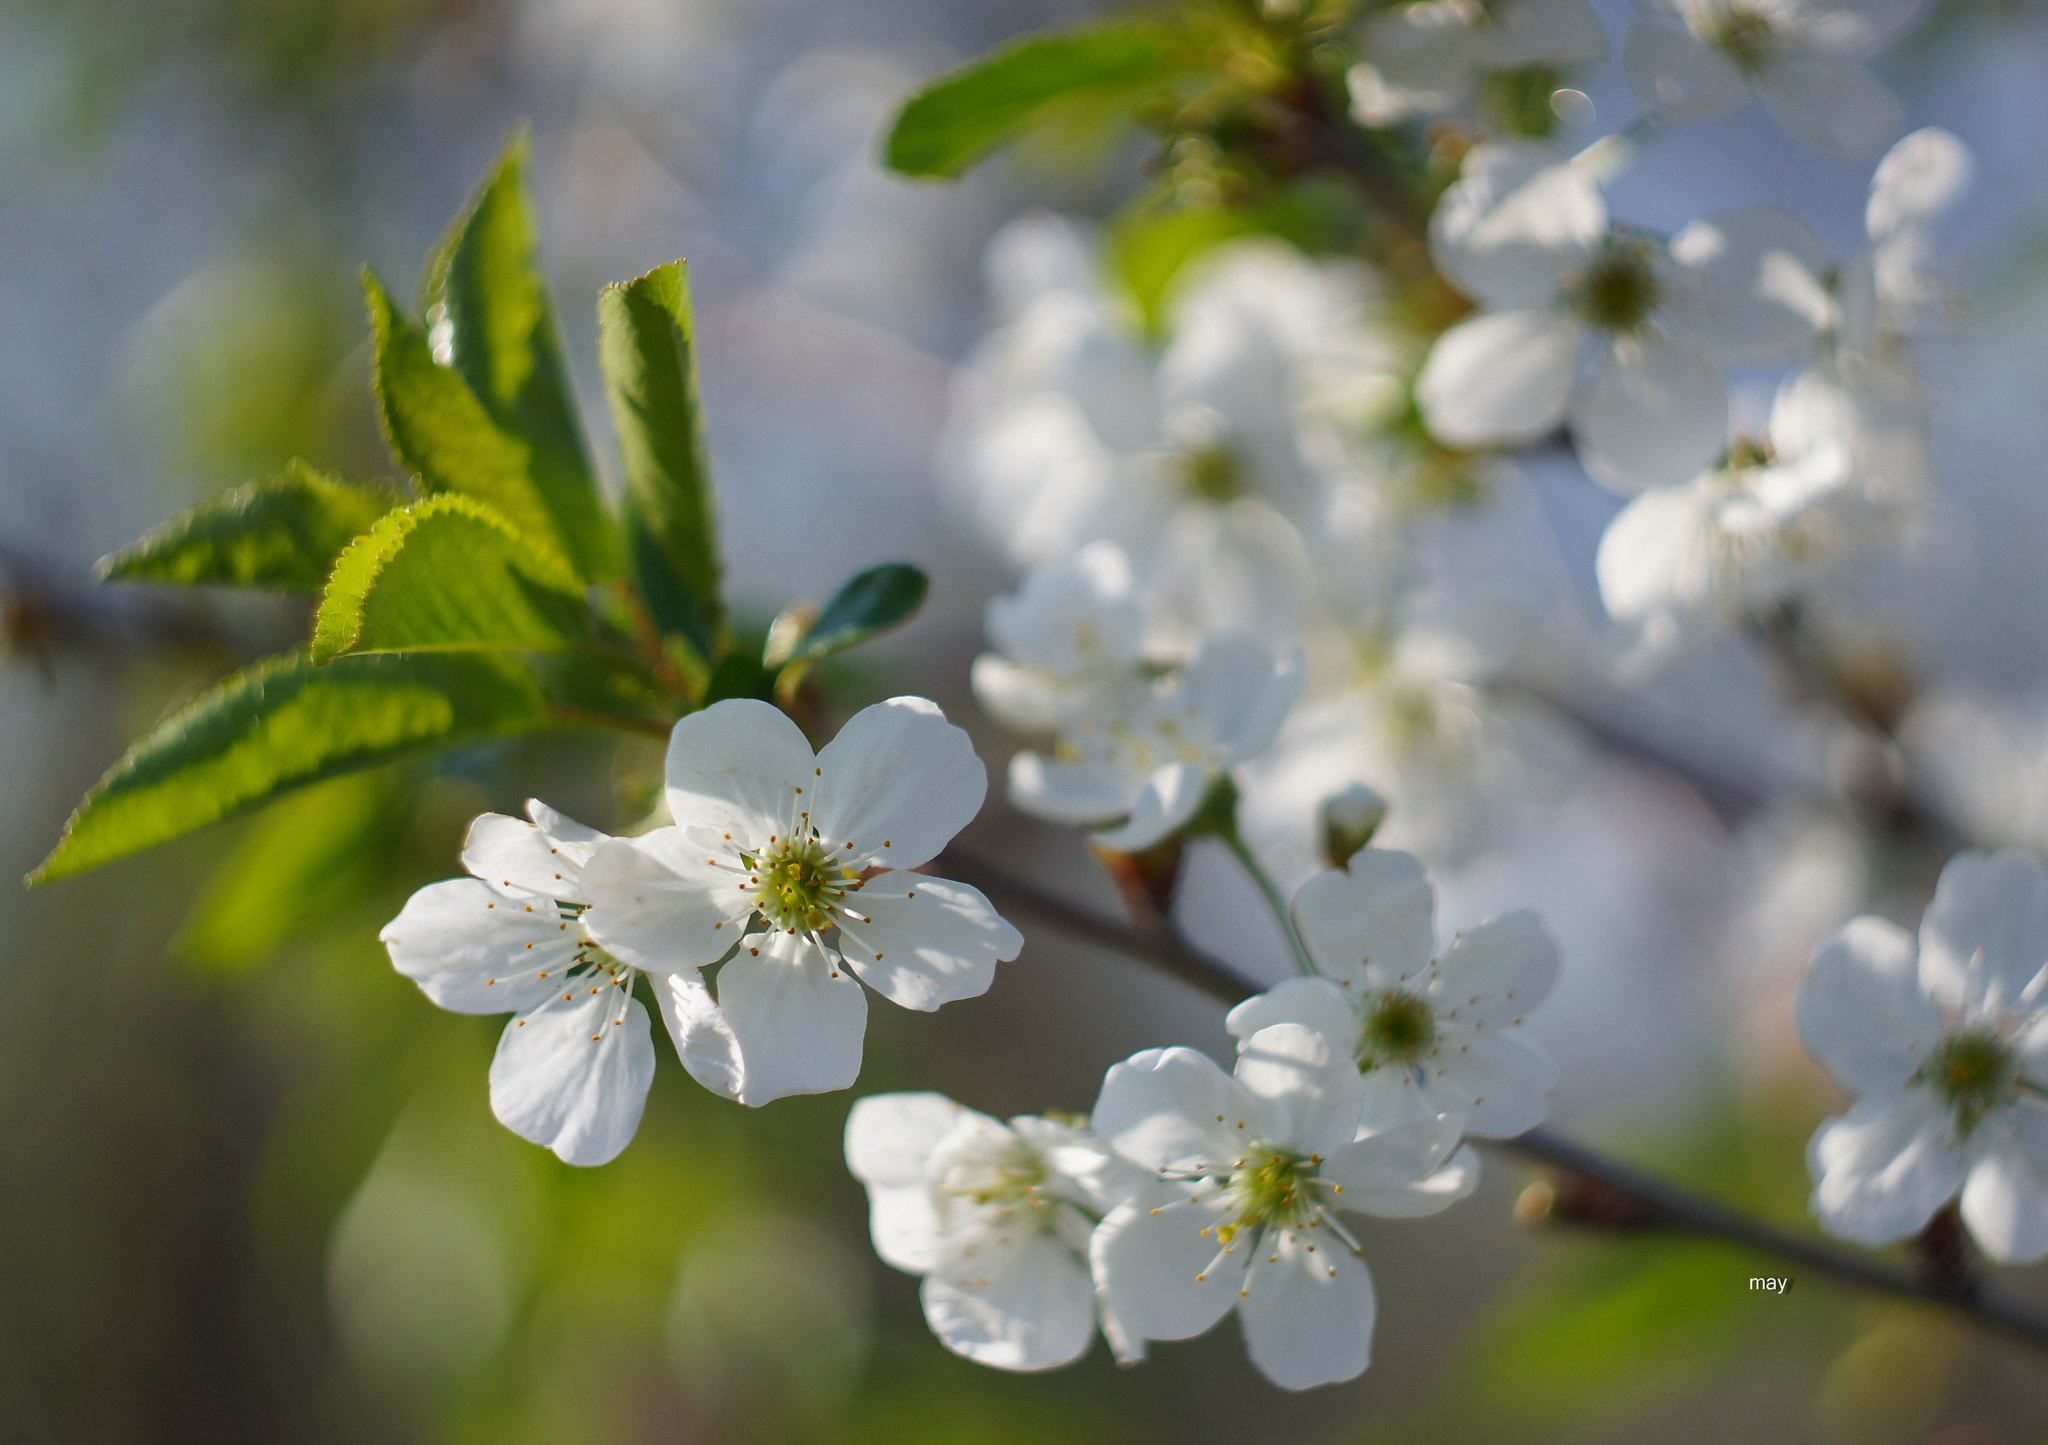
(1350, 818)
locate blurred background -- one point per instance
(249, 1178)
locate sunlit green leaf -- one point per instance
(872, 603)
(282, 724)
(286, 872)
(441, 432)
(282, 532)
(447, 573)
(647, 346)
(492, 299)
(991, 101)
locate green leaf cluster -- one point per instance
(494, 591)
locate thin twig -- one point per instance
(1653, 1202)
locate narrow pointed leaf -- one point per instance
(280, 725)
(872, 603)
(991, 101)
(442, 433)
(281, 532)
(647, 345)
(501, 338)
(444, 574)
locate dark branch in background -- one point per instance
(45, 612)
(1584, 1186)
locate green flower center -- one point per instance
(800, 883)
(1215, 474)
(1744, 36)
(1271, 1188)
(1399, 1029)
(1973, 1071)
(1619, 290)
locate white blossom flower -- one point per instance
(1146, 756)
(1073, 630)
(1947, 1055)
(795, 870)
(1424, 57)
(573, 1067)
(1680, 564)
(1431, 1036)
(1688, 59)
(996, 1218)
(1527, 233)
(1252, 1169)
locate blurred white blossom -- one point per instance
(1424, 57)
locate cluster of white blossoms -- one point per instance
(785, 880)
(1190, 1193)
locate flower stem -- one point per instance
(1303, 964)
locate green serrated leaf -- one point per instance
(280, 725)
(281, 532)
(870, 604)
(991, 101)
(441, 432)
(502, 340)
(444, 574)
(647, 345)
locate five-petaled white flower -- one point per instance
(1145, 755)
(793, 869)
(1688, 59)
(1947, 1054)
(572, 1069)
(1527, 233)
(1430, 1036)
(996, 1217)
(1425, 56)
(1251, 1172)
(1073, 630)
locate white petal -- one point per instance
(1985, 935)
(734, 767)
(921, 942)
(799, 1016)
(574, 1073)
(1173, 1109)
(1241, 693)
(1160, 1271)
(1308, 1311)
(702, 1034)
(903, 1224)
(1070, 792)
(475, 950)
(899, 781)
(1329, 1009)
(1166, 802)
(1393, 1099)
(2005, 1199)
(1653, 412)
(1496, 973)
(1860, 1009)
(1308, 1089)
(1883, 1168)
(1676, 76)
(1518, 218)
(1035, 1312)
(513, 853)
(1833, 103)
(1755, 292)
(1499, 1080)
(660, 904)
(1390, 1159)
(1562, 32)
(890, 1137)
(1028, 699)
(1657, 556)
(1369, 925)
(1452, 1181)
(1917, 180)
(1500, 377)
(1420, 61)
